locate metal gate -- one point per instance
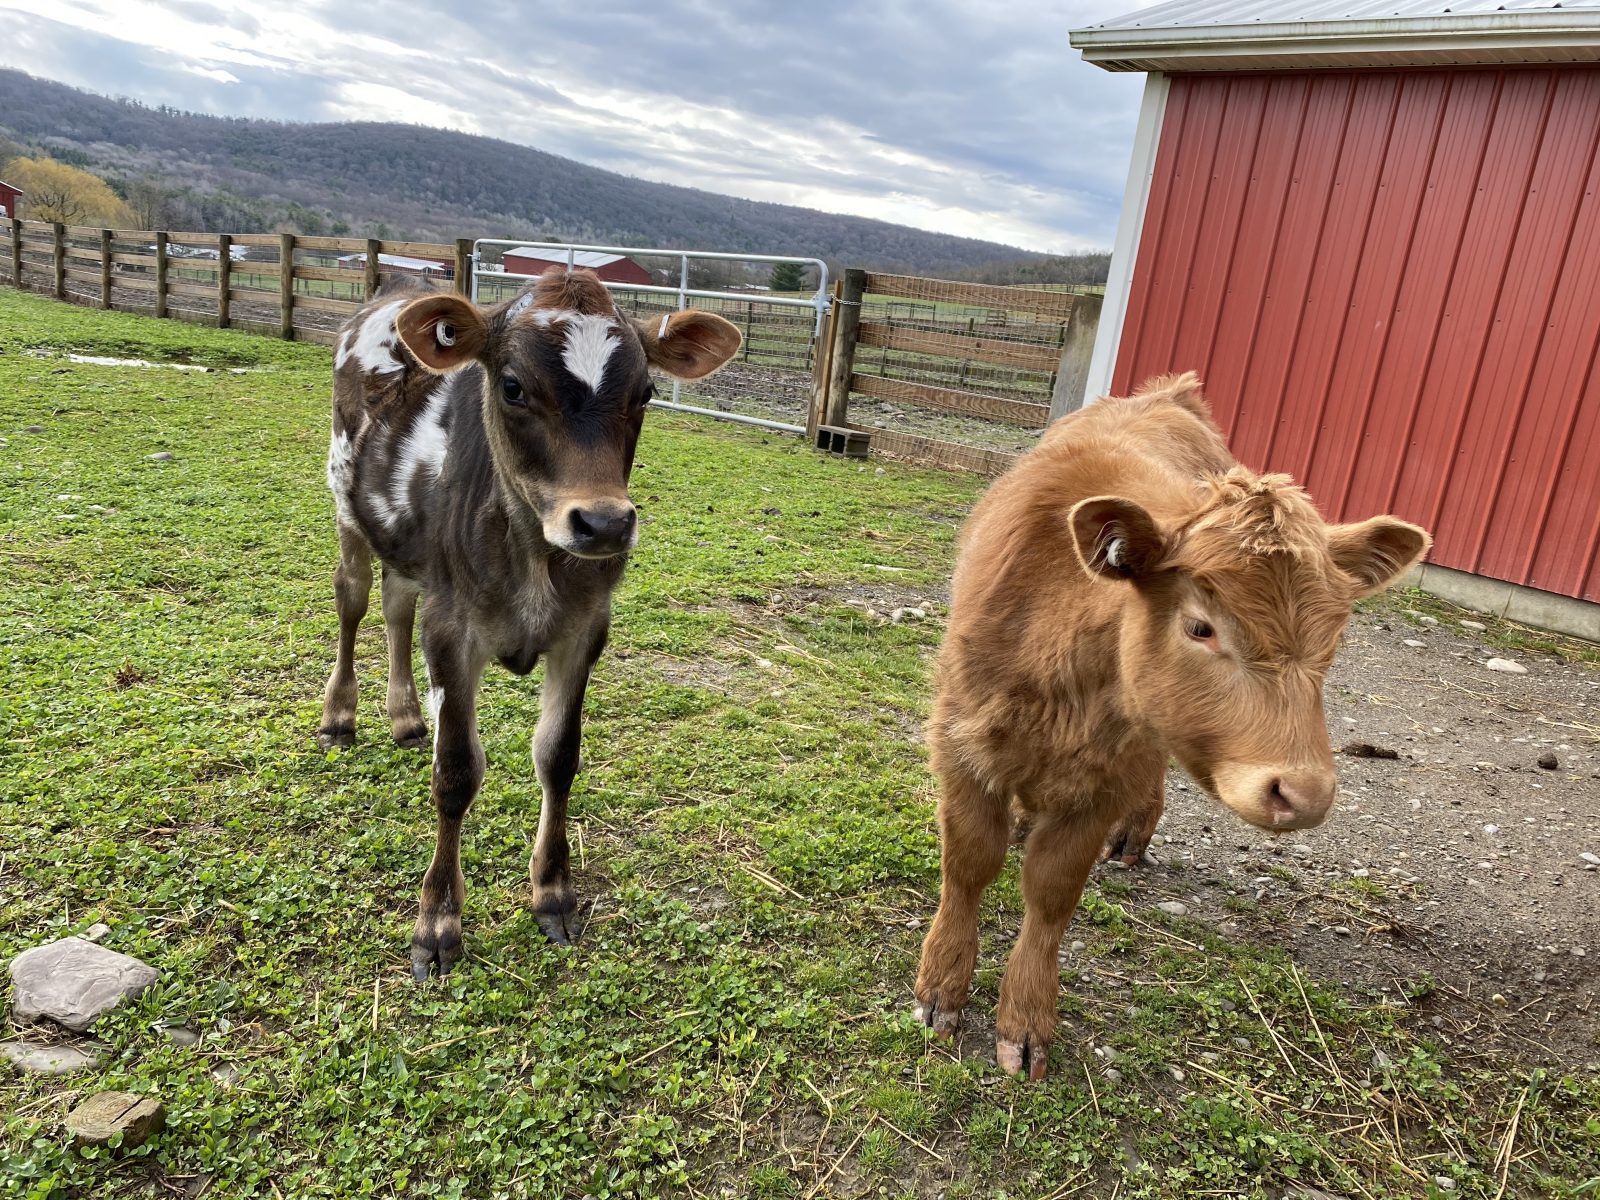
(483, 272)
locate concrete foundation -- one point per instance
(1511, 601)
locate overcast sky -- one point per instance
(963, 116)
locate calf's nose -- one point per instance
(608, 526)
(1300, 799)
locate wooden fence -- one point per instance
(283, 285)
(984, 367)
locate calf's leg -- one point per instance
(1056, 861)
(352, 588)
(974, 827)
(457, 775)
(1130, 836)
(556, 745)
(399, 617)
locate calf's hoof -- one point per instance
(342, 735)
(1129, 842)
(435, 945)
(1025, 1057)
(411, 737)
(936, 1016)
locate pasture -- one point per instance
(754, 828)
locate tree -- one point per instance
(57, 192)
(149, 202)
(787, 277)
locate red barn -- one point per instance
(1375, 232)
(613, 268)
(9, 197)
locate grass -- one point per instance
(754, 824)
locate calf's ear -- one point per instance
(1376, 551)
(443, 332)
(689, 345)
(1116, 538)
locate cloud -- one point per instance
(955, 115)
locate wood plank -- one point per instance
(194, 239)
(309, 333)
(138, 283)
(951, 400)
(84, 275)
(257, 239)
(1055, 305)
(936, 453)
(135, 260)
(1021, 355)
(326, 304)
(254, 295)
(191, 287)
(269, 269)
(83, 254)
(445, 254)
(336, 274)
(341, 245)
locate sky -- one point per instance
(971, 117)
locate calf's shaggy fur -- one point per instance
(1127, 594)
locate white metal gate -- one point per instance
(819, 302)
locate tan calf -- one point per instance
(1127, 594)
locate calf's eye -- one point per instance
(512, 391)
(1200, 631)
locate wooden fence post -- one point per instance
(846, 322)
(1077, 347)
(821, 361)
(161, 274)
(105, 268)
(224, 279)
(374, 248)
(286, 286)
(58, 251)
(16, 252)
(464, 267)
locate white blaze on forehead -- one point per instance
(588, 342)
(373, 346)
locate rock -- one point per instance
(1592, 859)
(1477, 625)
(33, 429)
(1446, 1184)
(1342, 930)
(160, 456)
(226, 1074)
(1177, 1073)
(1549, 761)
(1304, 1191)
(101, 1117)
(1491, 829)
(42, 1059)
(1174, 908)
(1368, 750)
(98, 932)
(901, 615)
(879, 471)
(1425, 620)
(1112, 1075)
(1506, 667)
(1414, 644)
(73, 981)
(1079, 947)
(180, 1035)
(1241, 1043)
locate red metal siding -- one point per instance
(1390, 282)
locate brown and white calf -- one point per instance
(1126, 594)
(482, 454)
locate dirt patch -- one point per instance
(1450, 879)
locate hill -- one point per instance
(187, 170)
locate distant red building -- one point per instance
(9, 197)
(613, 268)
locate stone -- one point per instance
(33, 429)
(104, 1115)
(1549, 761)
(72, 982)
(98, 932)
(181, 1035)
(1368, 750)
(1174, 908)
(1591, 858)
(1506, 667)
(42, 1059)
(1424, 620)
(1446, 1184)
(160, 456)
(1414, 644)
(1112, 1075)
(901, 615)
(1079, 947)
(1479, 626)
